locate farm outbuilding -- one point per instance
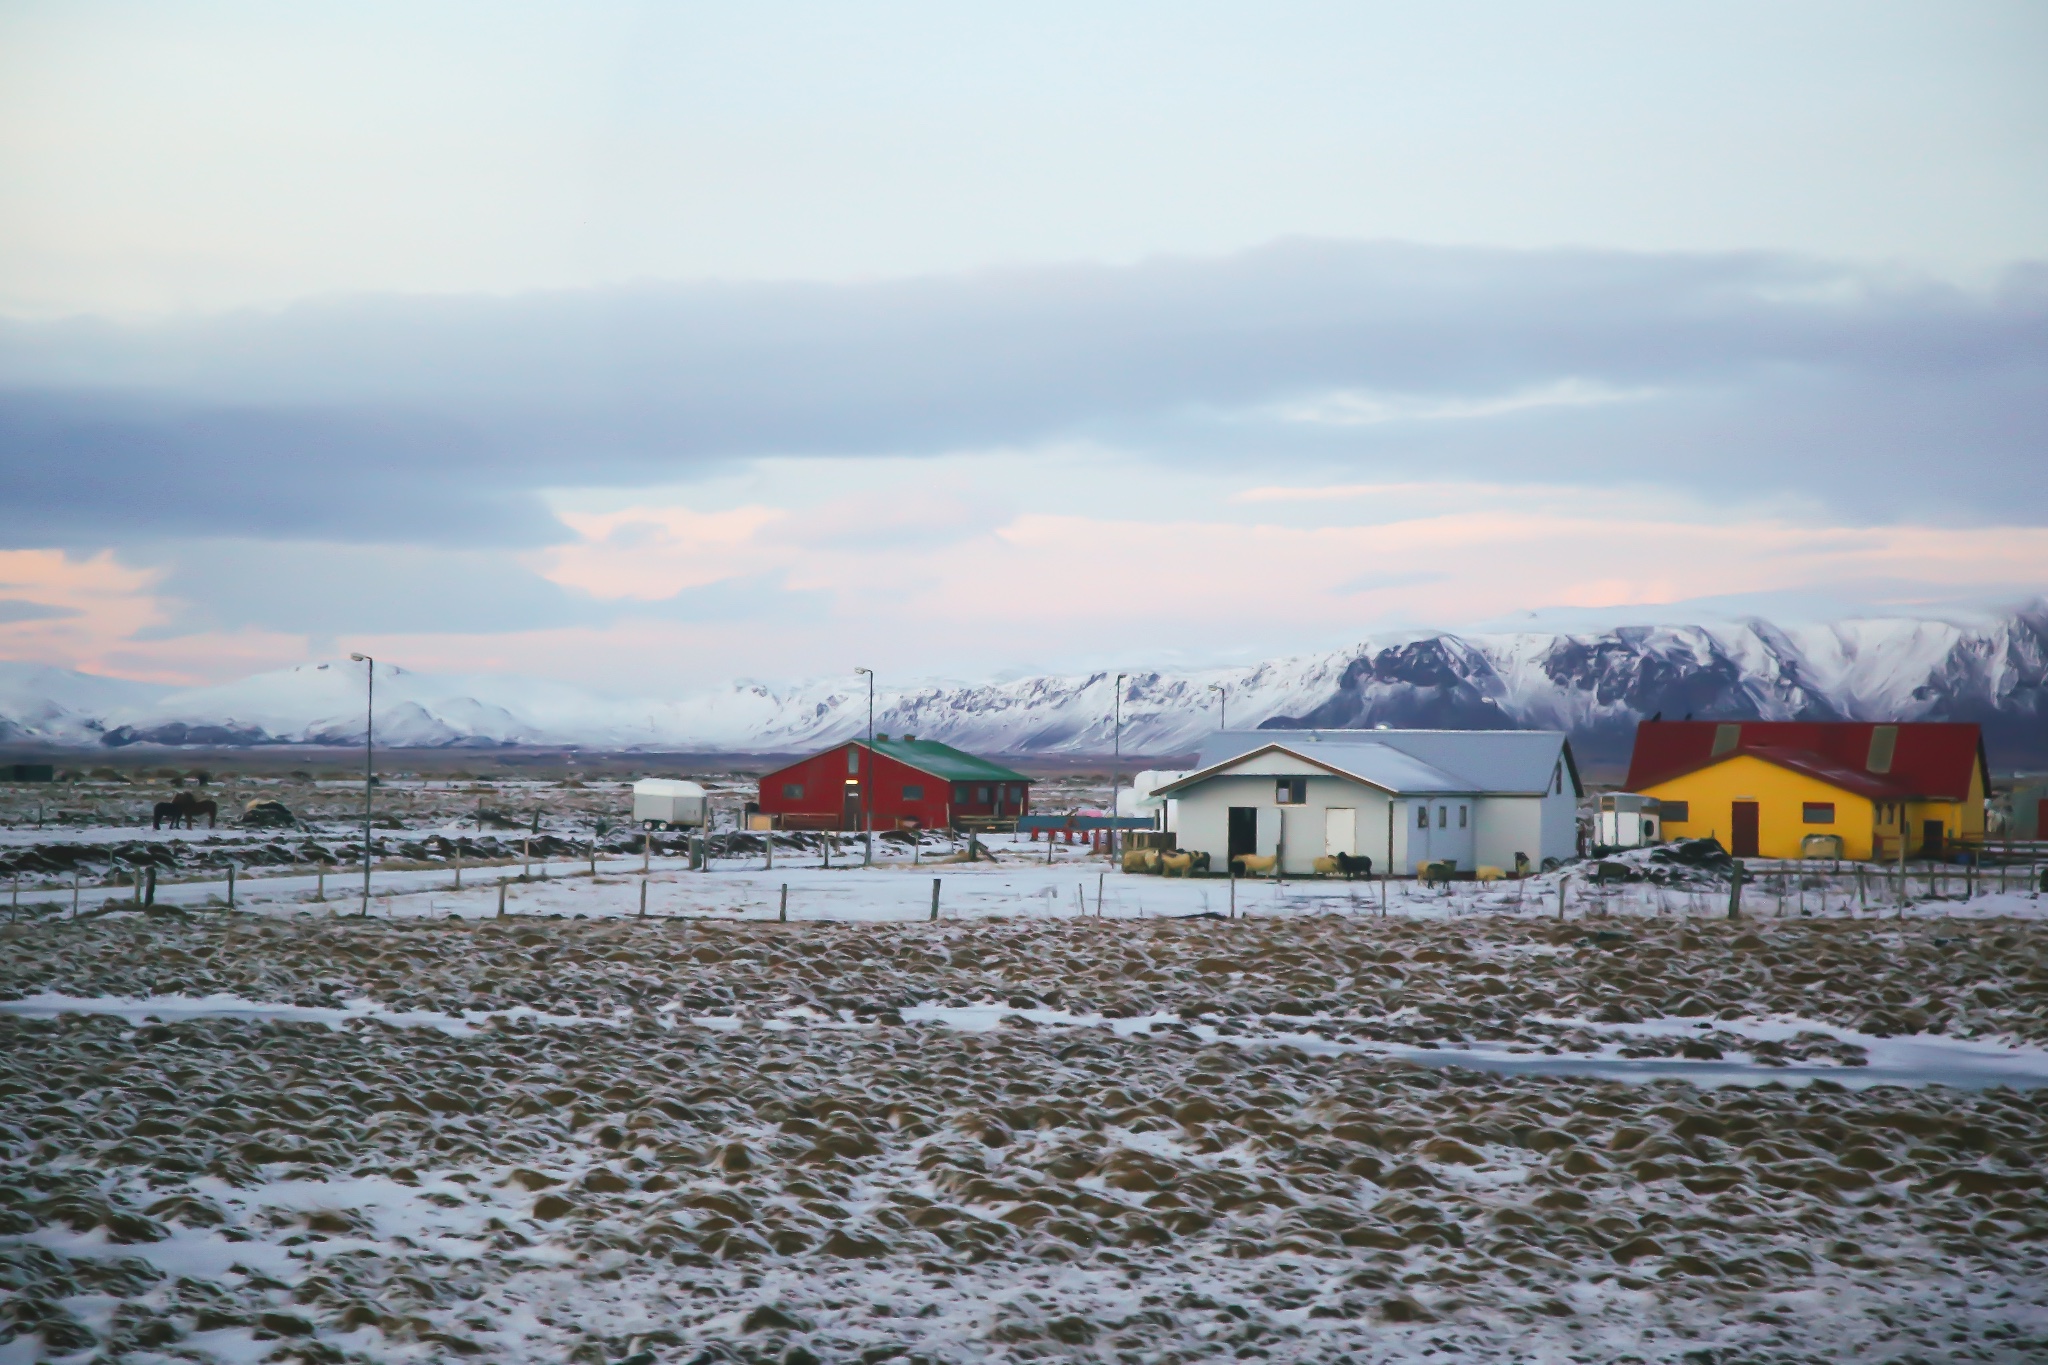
(906, 783)
(1400, 797)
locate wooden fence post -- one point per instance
(935, 898)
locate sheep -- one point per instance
(1345, 865)
(1354, 865)
(1183, 864)
(1144, 860)
(1488, 874)
(1254, 864)
(1435, 873)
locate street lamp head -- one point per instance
(869, 671)
(360, 658)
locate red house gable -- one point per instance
(1928, 758)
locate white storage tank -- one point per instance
(669, 803)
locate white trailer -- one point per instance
(666, 803)
(1627, 820)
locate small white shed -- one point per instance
(1400, 797)
(669, 802)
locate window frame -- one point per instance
(792, 791)
(1810, 812)
(913, 791)
(1290, 791)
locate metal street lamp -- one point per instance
(867, 778)
(369, 770)
(1222, 705)
(1116, 761)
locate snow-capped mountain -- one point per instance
(1595, 685)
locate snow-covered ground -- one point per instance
(1461, 1129)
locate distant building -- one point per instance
(2028, 813)
(1790, 789)
(1400, 797)
(30, 772)
(908, 783)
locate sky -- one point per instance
(654, 346)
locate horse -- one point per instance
(187, 808)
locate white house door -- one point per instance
(1340, 831)
(1451, 831)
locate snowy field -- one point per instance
(1081, 1116)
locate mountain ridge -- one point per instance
(1593, 684)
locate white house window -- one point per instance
(1422, 817)
(1290, 791)
(1461, 817)
(1443, 816)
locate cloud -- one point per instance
(1356, 408)
(12, 610)
(446, 420)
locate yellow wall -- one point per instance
(1780, 794)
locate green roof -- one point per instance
(943, 760)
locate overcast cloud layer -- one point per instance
(1753, 377)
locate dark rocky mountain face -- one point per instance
(1432, 684)
(1597, 687)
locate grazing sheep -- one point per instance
(1437, 873)
(1176, 864)
(1325, 866)
(1254, 864)
(1354, 865)
(1489, 874)
(1141, 860)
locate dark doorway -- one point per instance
(1244, 831)
(1930, 838)
(1743, 827)
(850, 819)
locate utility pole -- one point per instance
(867, 777)
(369, 769)
(1222, 705)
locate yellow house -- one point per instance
(1791, 789)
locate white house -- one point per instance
(1401, 797)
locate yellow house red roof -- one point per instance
(1918, 758)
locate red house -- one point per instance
(907, 782)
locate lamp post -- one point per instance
(1222, 705)
(867, 777)
(1116, 761)
(369, 770)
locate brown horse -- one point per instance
(185, 808)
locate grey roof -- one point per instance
(1410, 761)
